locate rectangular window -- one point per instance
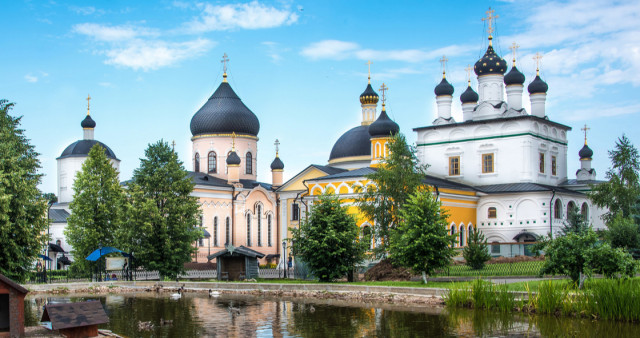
(542, 163)
(295, 212)
(454, 165)
(495, 248)
(554, 165)
(487, 163)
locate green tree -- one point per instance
(620, 193)
(162, 214)
(50, 197)
(23, 211)
(575, 223)
(97, 209)
(421, 240)
(476, 253)
(582, 253)
(328, 242)
(398, 176)
(623, 233)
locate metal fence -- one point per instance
(528, 268)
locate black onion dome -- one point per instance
(514, 76)
(490, 63)
(469, 96)
(233, 158)
(383, 126)
(369, 96)
(443, 88)
(277, 164)
(224, 112)
(585, 152)
(355, 142)
(88, 122)
(81, 148)
(537, 86)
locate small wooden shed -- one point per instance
(11, 308)
(236, 263)
(79, 319)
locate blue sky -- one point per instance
(300, 67)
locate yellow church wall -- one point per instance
(298, 183)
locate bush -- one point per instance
(476, 253)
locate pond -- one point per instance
(197, 315)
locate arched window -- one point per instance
(471, 230)
(453, 232)
(585, 212)
(492, 213)
(571, 208)
(227, 231)
(462, 235)
(196, 163)
(215, 231)
(249, 163)
(557, 209)
(213, 162)
(259, 225)
(201, 240)
(378, 151)
(367, 236)
(269, 241)
(248, 229)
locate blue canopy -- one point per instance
(45, 257)
(94, 256)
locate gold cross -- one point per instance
(585, 129)
(233, 141)
(443, 61)
(491, 18)
(277, 144)
(537, 58)
(88, 104)
(469, 69)
(383, 89)
(514, 47)
(368, 63)
(224, 61)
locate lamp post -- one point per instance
(284, 257)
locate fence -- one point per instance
(529, 268)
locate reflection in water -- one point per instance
(197, 315)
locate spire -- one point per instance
(88, 104)
(443, 61)
(224, 61)
(585, 130)
(490, 19)
(368, 63)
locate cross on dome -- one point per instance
(277, 144)
(443, 61)
(224, 61)
(585, 129)
(537, 58)
(88, 104)
(383, 90)
(368, 63)
(468, 70)
(490, 18)
(173, 145)
(514, 47)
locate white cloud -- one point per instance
(31, 78)
(151, 55)
(603, 111)
(340, 50)
(86, 10)
(111, 33)
(253, 15)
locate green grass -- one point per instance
(531, 268)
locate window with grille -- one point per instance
(295, 212)
(492, 212)
(542, 163)
(227, 231)
(215, 231)
(487, 163)
(259, 225)
(248, 229)
(196, 163)
(213, 164)
(269, 241)
(454, 165)
(554, 164)
(249, 163)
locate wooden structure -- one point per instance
(236, 263)
(79, 319)
(11, 308)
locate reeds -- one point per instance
(482, 295)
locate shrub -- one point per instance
(476, 253)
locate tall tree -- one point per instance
(398, 176)
(620, 194)
(23, 211)
(97, 209)
(328, 242)
(575, 223)
(162, 213)
(421, 240)
(476, 253)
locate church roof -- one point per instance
(88, 122)
(514, 76)
(369, 96)
(209, 180)
(224, 113)
(277, 164)
(355, 142)
(490, 63)
(523, 187)
(383, 126)
(585, 152)
(58, 215)
(81, 148)
(469, 95)
(499, 119)
(537, 86)
(443, 88)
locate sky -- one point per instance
(300, 67)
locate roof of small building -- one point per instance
(240, 250)
(81, 148)
(6, 280)
(70, 315)
(523, 187)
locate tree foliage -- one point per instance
(398, 176)
(97, 209)
(23, 212)
(620, 194)
(624, 233)
(421, 240)
(576, 253)
(328, 242)
(476, 253)
(575, 223)
(162, 214)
